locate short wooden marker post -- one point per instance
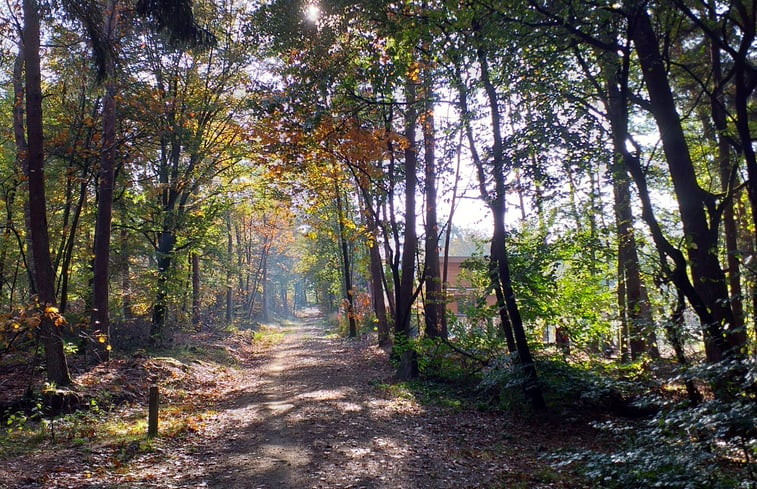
(152, 417)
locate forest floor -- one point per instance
(296, 408)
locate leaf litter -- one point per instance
(310, 411)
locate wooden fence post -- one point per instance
(152, 418)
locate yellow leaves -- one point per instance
(53, 314)
(403, 143)
(414, 72)
(102, 338)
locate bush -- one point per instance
(710, 446)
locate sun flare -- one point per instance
(312, 12)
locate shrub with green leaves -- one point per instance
(709, 446)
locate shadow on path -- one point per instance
(311, 418)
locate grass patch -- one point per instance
(429, 393)
(15, 442)
(123, 428)
(199, 353)
(398, 391)
(268, 336)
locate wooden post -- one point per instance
(152, 418)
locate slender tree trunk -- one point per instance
(379, 305)
(745, 81)
(674, 328)
(728, 174)
(10, 195)
(448, 234)
(68, 251)
(22, 160)
(101, 268)
(466, 115)
(404, 294)
(55, 359)
(259, 276)
(376, 269)
(434, 306)
(637, 307)
(124, 270)
(230, 257)
(504, 318)
(499, 246)
(196, 291)
(265, 295)
(346, 266)
(164, 254)
(623, 343)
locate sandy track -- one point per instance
(310, 412)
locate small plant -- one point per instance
(16, 422)
(70, 348)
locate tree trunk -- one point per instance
(164, 254)
(448, 235)
(379, 305)
(377, 271)
(229, 289)
(55, 359)
(101, 268)
(67, 252)
(404, 294)
(623, 343)
(22, 159)
(497, 204)
(466, 116)
(638, 310)
(700, 236)
(434, 306)
(346, 267)
(265, 295)
(728, 174)
(196, 291)
(674, 327)
(504, 318)
(123, 257)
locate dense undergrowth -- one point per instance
(658, 437)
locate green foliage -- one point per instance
(431, 393)
(534, 264)
(557, 280)
(439, 361)
(711, 445)
(693, 448)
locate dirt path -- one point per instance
(313, 411)
(313, 416)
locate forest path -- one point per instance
(314, 414)
(309, 411)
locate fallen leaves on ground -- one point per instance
(306, 412)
